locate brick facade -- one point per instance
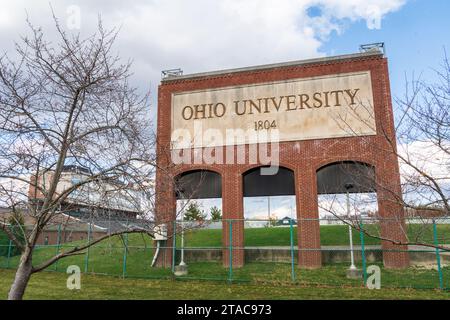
(303, 157)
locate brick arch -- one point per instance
(330, 178)
(281, 164)
(253, 167)
(207, 188)
(321, 164)
(180, 171)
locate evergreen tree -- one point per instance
(194, 213)
(17, 225)
(216, 214)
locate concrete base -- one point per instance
(354, 273)
(373, 254)
(181, 270)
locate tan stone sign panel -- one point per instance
(339, 105)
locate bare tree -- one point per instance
(69, 102)
(424, 135)
(423, 151)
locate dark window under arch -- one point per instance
(333, 178)
(198, 184)
(280, 184)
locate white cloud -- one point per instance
(201, 35)
(427, 157)
(424, 156)
(13, 191)
(372, 11)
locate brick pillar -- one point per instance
(389, 192)
(232, 205)
(391, 213)
(308, 231)
(165, 214)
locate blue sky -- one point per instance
(415, 37)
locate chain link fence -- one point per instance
(269, 249)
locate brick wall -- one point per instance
(50, 237)
(303, 157)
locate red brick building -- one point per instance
(304, 157)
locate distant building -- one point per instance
(286, 221)
(101, 198)
(426, 212)
(61, 228)
(91, 211)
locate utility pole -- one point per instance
(182, 263)
(352, 271)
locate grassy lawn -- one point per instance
(51, 285)
(328, 275)
(106, 257)
(330, 235)
(111, 258)
(275, 236)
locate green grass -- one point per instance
(275, 236)
(330, 235)
(329, 275)
(50, 285)
(108, 258)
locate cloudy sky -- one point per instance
(202, 35)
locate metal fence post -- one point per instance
(58, 242)
(9, 254)
(174, 244)
(292, 251)
(86, 258)
(438, 256)
(124, 267)
(363, 252)
(230, 250)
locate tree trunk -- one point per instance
(22, 277)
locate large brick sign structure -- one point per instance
(322, 112)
